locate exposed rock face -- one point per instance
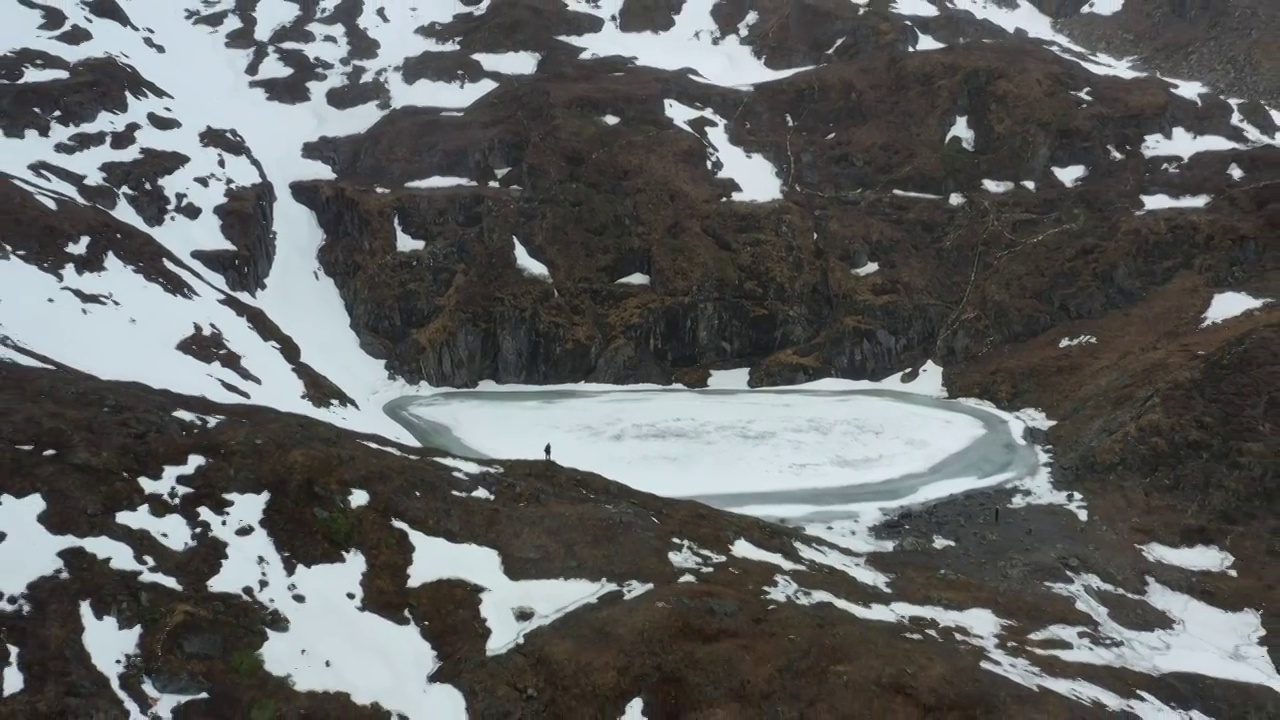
(139, 181)
(248, 221)
(94, 86)
(736, 283)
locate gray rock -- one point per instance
(178, 684)
(202, 645)
(913, 544)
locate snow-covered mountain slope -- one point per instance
(435, 587)
(318, 207)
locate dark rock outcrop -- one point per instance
(247, 221)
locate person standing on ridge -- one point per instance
(547, 451)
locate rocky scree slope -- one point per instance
(869, 186)
(1227, 43)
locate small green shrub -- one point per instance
(262, 710)
(339, 528)
(246, 663)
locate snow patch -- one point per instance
(917, 8)
(634, 710)
(386, 449)
(1070, 175)
(464, 469)
(692, 557)
(981, 628)
(693, 42)
(913, 194)
(441, 181)
(1226, 305)
(1200, 558)
(331, 645)
(1183, 144)
(866, 269)
(1039, 489)
(997, 186)
(171, 530)
(357, 498)
(479, 493)
(404, 242)
(29, 551)
(754, 174)
(527, 264)
(635, 278)
(1203, 641)
(205, 421)
(1077, 340)
(855, 566)
(12, 680)
(167, 485)
(511, 608)
(1103, 7)
(1162, 201)
(109, 646)
(743, 549)
(960, 129)
(509, 63)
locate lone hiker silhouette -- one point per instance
(547, 451)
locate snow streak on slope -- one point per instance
(331, 643)
(984, 629)
(1204, 640)
(12, 681)
(30, 552)
(694, 42)
(756, 177)
(1198, 558)
(511, 608)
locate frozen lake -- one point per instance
(777, 452)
